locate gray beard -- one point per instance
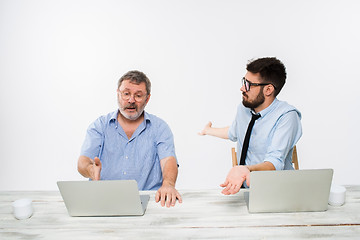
(133, 117)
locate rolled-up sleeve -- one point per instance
(232, 133)
(285, 135)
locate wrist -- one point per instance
(168, 183)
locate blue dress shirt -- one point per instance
(273, 136)
(135, 158)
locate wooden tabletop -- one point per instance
(204, 214)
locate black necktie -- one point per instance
(247, 138)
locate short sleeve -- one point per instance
(165, 141)
(94, 139)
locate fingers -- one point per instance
(96, 174)
(202, 133)
(224, 184)
(236, 189)
(235, 179)
(175, 195)
(96, 168)
(167, 197)
(207, 126)
(160, 197)
(248, 180)
(178, 196)
(173, 200)
(228, 187)
(97, 161)
(157, 196)
(231, 189)
(162, 201)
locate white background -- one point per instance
(60, 62)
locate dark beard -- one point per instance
(260, 98)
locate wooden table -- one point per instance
(204, 214)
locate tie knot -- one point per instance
(255, 116)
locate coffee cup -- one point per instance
(337, 195)
(22, 208)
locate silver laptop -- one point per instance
(289, 191)
(103, 198)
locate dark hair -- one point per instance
(136, 77)
(271, 71)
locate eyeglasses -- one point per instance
(248, 84)
(127, 95)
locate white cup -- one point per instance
(22, 208)
(337, 195)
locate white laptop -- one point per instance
(289, 190)
(103, 198)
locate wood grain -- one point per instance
(204, 214)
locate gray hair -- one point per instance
(136, 77)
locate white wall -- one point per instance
(60, 61)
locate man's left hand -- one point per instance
(235, 179)
(167, 195)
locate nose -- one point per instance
(131, 99)
(243, 88)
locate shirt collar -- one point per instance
(268, 109)
(115, 114)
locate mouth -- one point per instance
(131, 108)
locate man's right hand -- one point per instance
(94, 169)
(216, 132)
(206, 129)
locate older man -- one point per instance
(132, 144)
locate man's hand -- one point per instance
(94, 169)
(206, 129)
(235, 179)
(89, 168)
(216, 132)
(167, 194)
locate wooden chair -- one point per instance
(294, 158)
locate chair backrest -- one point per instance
(294, 158)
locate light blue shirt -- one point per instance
(136, 158)
(273, 136)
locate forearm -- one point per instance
(218, 132)
(84, 166)
(169, 170)
(265, 166)
(167, 194)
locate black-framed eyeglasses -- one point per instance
(248, 84)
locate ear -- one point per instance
(148, 98)
(269, 90)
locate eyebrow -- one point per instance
(127, 89)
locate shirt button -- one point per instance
(126, 157)
(124, 173)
